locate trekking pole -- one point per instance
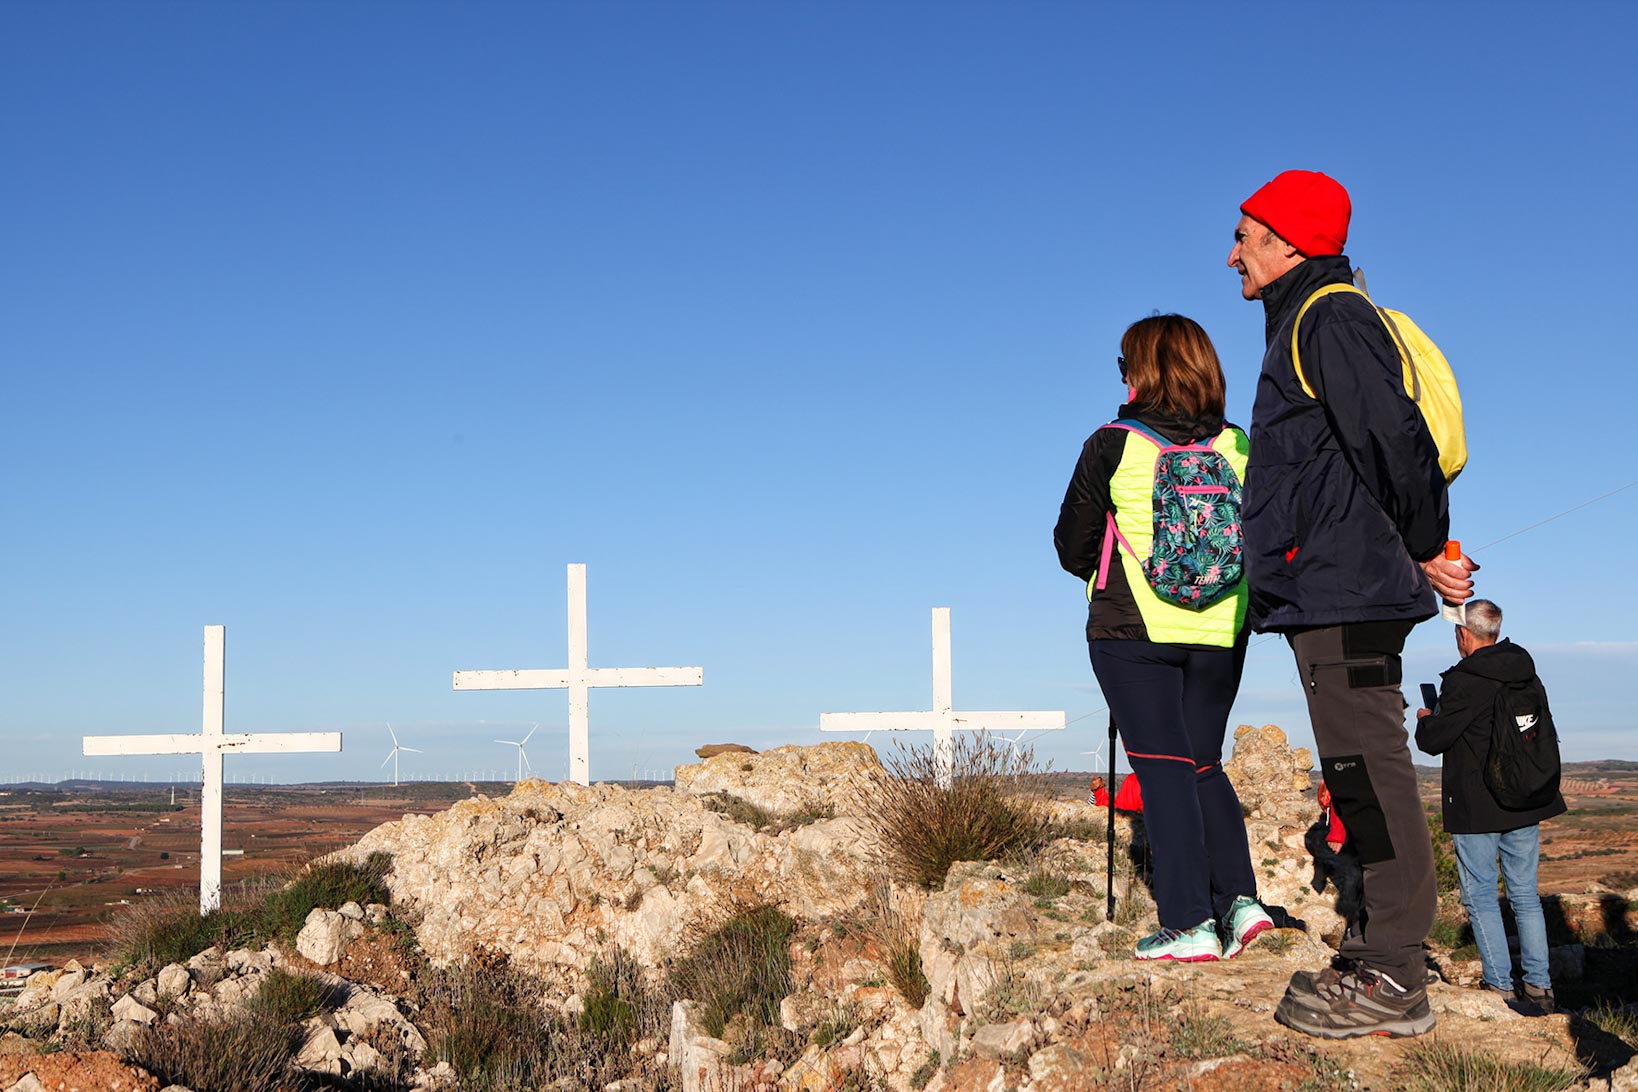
(1109, 867)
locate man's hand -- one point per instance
(1450, 579)
(1420, 713)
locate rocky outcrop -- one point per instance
(787, 780)
(553, 874)
(1029, 981)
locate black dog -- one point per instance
(1342, 869)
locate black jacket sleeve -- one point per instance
(1353, 365)
(1465, 705)
(1082, 517)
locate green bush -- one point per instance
(743, 965)
(993, 807)
(290, 997)
(170, 929)
(330, 885)
(614, 996)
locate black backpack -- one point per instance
(1522, 768)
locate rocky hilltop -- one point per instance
(1009, 974)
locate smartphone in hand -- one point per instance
(1430, 696)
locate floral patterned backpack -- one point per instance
(1197, 554)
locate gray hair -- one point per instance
(1484, 620)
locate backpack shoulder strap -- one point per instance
(1296, 324)
(1132, 424)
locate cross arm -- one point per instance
(512, 680)
(878, 722)
(1006, 721)
(194, 743)
(645, 676)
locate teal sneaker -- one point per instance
(1245, 922)
(1183, 945)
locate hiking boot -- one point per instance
(1183, 945)
(1308, 983)
(1355, 1002)
(1245, 922)
(1506, 995)
(1536, 998)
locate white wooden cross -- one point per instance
(578, 679)
(212, 743)
(942, 720)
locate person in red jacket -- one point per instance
(1335, 832)
(1099, 794)
(1130, 795)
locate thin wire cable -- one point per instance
(1560, 515)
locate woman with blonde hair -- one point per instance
(1158, 488)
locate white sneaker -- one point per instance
(1245, 922)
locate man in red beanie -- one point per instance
(1345, 520)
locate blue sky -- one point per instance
(349, 325)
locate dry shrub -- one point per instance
(237, 1052)
(898, 935)
(1440, 1067)
(168, 928)
(740, 966)
(994, 807)
(485, 1018)
(739, 810)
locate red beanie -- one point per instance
(1307, 209)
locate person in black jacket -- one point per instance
(1480, 826)
(1169, 672)
(1345, 522)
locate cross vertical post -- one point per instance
(211, 743)
(943, 720)
(578, 678)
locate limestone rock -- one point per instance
(129, 1008)
(173, 981)
(786, 780)
(712, 750)
(1000, 1040)
(1269, 775)
(326, 934)
(1058, 1068)
(122, 1035)
(695, 1056)
(554, 874)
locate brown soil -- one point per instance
(76, 1071)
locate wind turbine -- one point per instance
(523, 759)
(392, 756)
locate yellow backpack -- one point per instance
(1428, 379)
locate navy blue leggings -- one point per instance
(1171, 706)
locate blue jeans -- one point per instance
(1476, 863)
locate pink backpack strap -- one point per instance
(1110, 534)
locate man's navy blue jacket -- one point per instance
(1343, 492)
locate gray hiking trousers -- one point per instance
(1351, 675)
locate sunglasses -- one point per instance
(1120, 362)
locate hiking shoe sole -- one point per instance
(1299, 1017)
(1256, 930)
(1204, 957)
